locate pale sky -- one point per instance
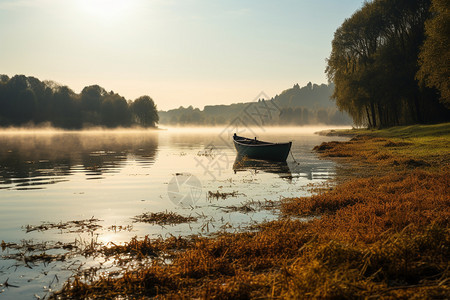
(179, 52)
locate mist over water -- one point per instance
(115, 175)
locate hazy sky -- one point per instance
(179, 52)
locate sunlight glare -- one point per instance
(105, 9)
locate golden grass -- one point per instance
(383, 236)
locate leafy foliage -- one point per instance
(435, 55)
(374, 61)
(144, 110)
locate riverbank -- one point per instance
(382, 231)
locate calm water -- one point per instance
(113, 176)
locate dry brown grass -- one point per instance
(384, 236)
(416, 192)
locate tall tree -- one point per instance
(65, 111)
(373, 64)
(91, 97)
(21, 100)
(145, 111)
(114, 111)
(91, 100)
(435, 55)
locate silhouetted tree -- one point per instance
(21, 101)
(114, 111)
(91, 100)
(66, 111)
(27, 99)
(145, 111)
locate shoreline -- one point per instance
(385, 234)
(336, 132)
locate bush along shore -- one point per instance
(382, 231)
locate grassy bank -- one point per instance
(384, 235)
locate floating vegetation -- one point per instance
(120, 228)
(222, 195)
(32, 246)
(208, 152)
(244, 208)
(30, 253)
(251, 206)
(88, 225)
(163, 218)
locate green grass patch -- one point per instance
(395, 145)
(408, 132)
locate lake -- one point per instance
(78, 188)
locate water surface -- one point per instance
(113, 176)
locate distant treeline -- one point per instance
(29, 101)
(390, 63)
(307, 105)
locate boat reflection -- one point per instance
(243, 163)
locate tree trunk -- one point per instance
(374, 116)
(368, 117)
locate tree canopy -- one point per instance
(25, 100)
(374, 61)
(144, 111)
(435, 54)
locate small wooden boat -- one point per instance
(254, 148)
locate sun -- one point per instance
(105, 9)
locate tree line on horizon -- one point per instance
(26, 101)
(390, 63)
(297, 106)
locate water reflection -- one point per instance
(30, 161)
(311, 171)
(285, 170)
(243, 163)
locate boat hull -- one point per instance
(262, 150)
